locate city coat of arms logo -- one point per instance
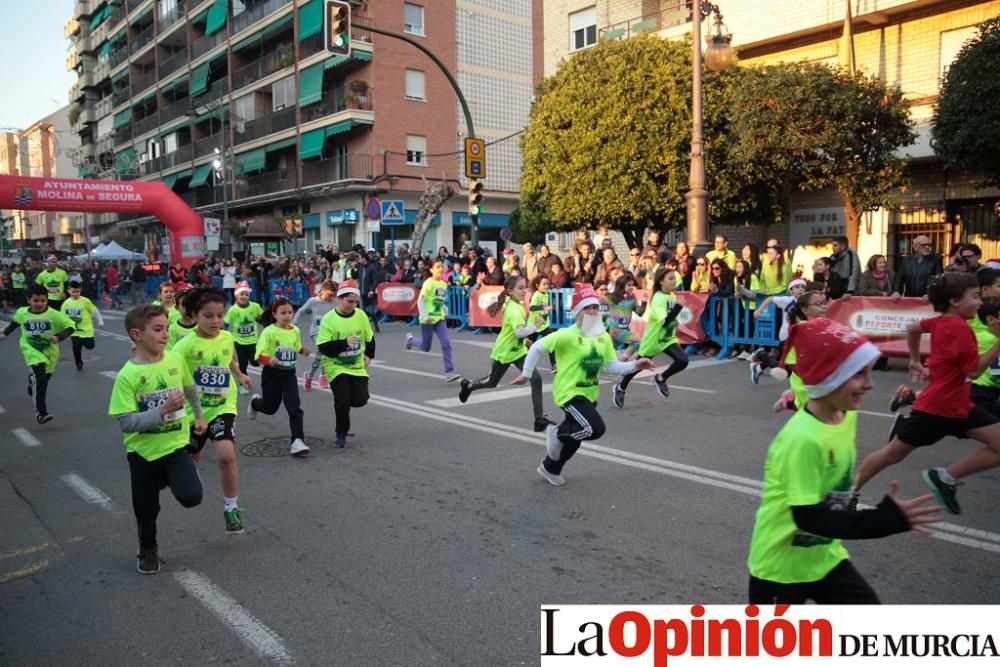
(22, 193)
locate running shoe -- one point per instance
(755, 372)
(452, 376)
(147, 561)
(852, 502)
(553, 445)
(785, 402)
(79, 367)
(744, 356)
(307, 381)
(323, 382)
(241, 390)
(904, 396)
(340, 440)
(542, 423)
(299, 448)
(465, 391)
(251, 413)
(234, 521)
(943, 491)
(409, 341)
(44, 419)
(618, 397)
(554, 480)
(778, 373)
(661, 386)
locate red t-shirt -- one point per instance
(112, 276)
(954, 354)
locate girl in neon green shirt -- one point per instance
(433, 311)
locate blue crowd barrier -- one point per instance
(729, 321)
(296, 292)
(560, 308)
(457, 302)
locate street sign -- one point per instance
(475, 158)
(392, 212)
(506, 234)
(373, 211)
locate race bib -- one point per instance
(153, 400)
(246, 330)
(38, 327)
(212, 380)
(995, 368)
(54, 289)
(74, 313)
(286, 356)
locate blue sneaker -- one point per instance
(340, 440)
(755, 373)
(661, 386)
(943, 491)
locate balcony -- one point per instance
(172, 64)
(172, 17)
(175, 110)
(144, 81)
(207, 146)
(116, 17)
(203, 45)
(662, 20)
(265, 125)
(121, 96)
(350, 167)
(255, 185)
(146, 124)
(269, 64)
(123, 134)
(251, 16)
(315, 44)
(180, 156)
(133, 5)
(214, 92)
(140, 40)
(103, 107)
(118, 57)
(88, 114)
(335, 101)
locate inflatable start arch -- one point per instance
(187, 229)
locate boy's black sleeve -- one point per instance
(10, 328)
(820, 519)
(332, 348)
(370, 349)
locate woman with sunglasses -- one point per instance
(700, 277)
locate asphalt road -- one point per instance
(430, 539)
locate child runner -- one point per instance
(347, 343)
(148, 401)
(211, 360)
(42, 329)
(433, 312)
(167, 297)
(660, 336)
(582, 352)
(509, 348)
(945, 406)
(242, 321)
(184, 325)
(621, 305)
(763, 361)
(81, 310)
(986, 388)
(316, 309)
(809, 306)
(795, 551)
(278, 349)
(541, 303)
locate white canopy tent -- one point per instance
(114, 252)
(92, 253)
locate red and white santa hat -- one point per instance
(828, 354)
(583, 296)
(798, 282)
(348, 287)
(243, 286)
(51, 258)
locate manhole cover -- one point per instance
(278, 446)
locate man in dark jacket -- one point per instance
(846, 264)
(917, 270)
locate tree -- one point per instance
(965, 129)
(817, 127)
(529, 221)
(428, 205)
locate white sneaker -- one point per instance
(299, 448)
(553, 445)
(744, 356)
(409, 341)
(452, 377)
(554, 480)
(241, 390)
(779, 373)
(251, 413)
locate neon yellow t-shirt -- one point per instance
(798, 387)
(808, 462)
(433, 295)
(207, 361)
(540, 299)
(173, 313)
(139, 387)
(176, 331)
(280, 344)
(985, 340)
(335, 326)
(54, 282)
(508, 348)
(36, 329)
(580, 361)
(80, 311)
(242, 321)
(657, 338)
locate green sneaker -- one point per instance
(234, 521)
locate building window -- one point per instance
(413, 19)
(416, 150)
(243, 109)
(951, 43)
(170, 143)
(415, 84)
(583, 29)
(166, 7)
(283, 93)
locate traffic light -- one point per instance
(338, 27)
(475, 196)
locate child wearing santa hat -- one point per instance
(242, 320)
(582, 352)
(347, 343)
(807, 504)
(762, 361)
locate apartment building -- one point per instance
(168, 88)
(909, 43)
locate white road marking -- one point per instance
(110, 374)
(261, 639)
(476, 343)
(409, 371)
(2, 410)
(86, 490)
(876, 414)
(488, 396)
(26, 438)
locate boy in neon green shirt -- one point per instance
(148, 402)
(82, 311)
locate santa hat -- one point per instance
(583, 296)
(993, 264)
(348, 287)
(828, 354)
(51, 258)
(798, 282)
(243, 286)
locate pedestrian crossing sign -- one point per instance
(392, 212)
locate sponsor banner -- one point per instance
(484, 297)
(660, 636)
(398, 299)
(688, 321)
(883, 321)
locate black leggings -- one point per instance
(38, 382)
(675, 352)
(245, 356)
(349, 391)
(277, 387)
(176, 470)
(497, 371)
(582, 423)
(78, 345)
(843, 585)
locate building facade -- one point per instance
(908, 43)
(238, 108)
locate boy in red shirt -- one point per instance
(945, 407)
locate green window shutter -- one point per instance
(123, 161)
(363, 56)
(170, 180)
(254, 160)
(199, 80)
(217, 17)
(279, 145)
(249, 41)
(277, 26)
(200, 176)
(181, 175)
(99, 17)
(310, 19)
(311, 85)
(330, 63)
(104, 50)
(145, 98)
(122, 119)
(339, 128)
(201, 18)
(312, 144)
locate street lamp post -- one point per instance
(220, 166)
(718, 56)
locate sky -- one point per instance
(33, 77)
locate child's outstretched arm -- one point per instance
(892, 515)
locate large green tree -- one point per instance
(966, 124)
